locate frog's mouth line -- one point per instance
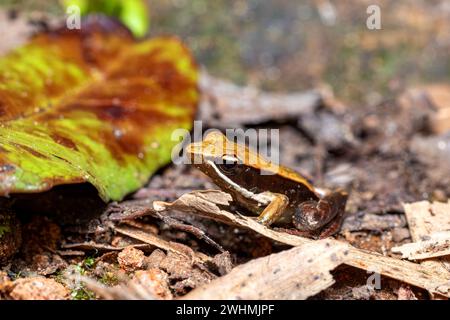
(263, 199)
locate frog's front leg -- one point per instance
(317, 216)
(274, 210)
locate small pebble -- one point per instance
(131, 259)
(37, 288)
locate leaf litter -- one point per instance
(158, 261)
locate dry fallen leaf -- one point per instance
(298, 273)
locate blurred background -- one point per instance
(291, 45)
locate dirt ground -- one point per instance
(378, 131)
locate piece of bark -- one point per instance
(209, 204)
(425, 218)
(130, 210)
(437, 245)
(224, 104)
(298, 273)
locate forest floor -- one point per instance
(379, 128)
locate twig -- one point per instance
(154, 240)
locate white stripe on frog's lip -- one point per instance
(261, 198)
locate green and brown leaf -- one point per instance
(92, 105)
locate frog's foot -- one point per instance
(332, 227)
(322, 218)
(274, 209)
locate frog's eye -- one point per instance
(229, 165)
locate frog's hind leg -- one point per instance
(332, 227)
(327, 214)
(274, 209)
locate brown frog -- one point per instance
(278, 195)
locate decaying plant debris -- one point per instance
(429, 224)
(185, 243)
(207, 204)
(297, 273)
(194, 243)
(425, 220)
(436, 245)
(168, 241)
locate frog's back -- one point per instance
(218, 144)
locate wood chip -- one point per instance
(437, 246)
(306, 274)
(424, 219)
(209, 204)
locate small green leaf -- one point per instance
(135, 16)
(132, 13)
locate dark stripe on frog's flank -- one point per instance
(254, 181)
